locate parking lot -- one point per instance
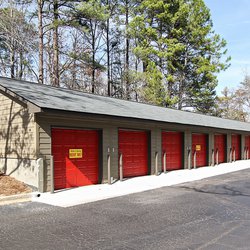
(212, 213)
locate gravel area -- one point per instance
(11, 186)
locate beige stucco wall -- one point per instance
(17, 140)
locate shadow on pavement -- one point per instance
(218, 190)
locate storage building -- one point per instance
(55, 138)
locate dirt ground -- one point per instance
(10, 186)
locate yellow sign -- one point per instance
(198, 147)
(75, 153)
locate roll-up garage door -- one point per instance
(236, 141)
(172, 145)
(199, 146)
(76, 157)
(133, 145)
(220, 148)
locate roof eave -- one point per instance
(52, 110)
(32, 108)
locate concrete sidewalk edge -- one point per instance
(17, 197)
(93, 193)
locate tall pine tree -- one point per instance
(177, 36)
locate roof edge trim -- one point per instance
(32, 108)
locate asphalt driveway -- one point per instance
(209, 214)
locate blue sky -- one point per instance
(231, 19)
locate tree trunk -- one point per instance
(48, 73)
(73, 83)
(40, 28)
(93, 80)
(20, 73)
(183, 84)
(73, 76)
(93, 74)
(12, 52)
(108, 55)
(12, 63)
(127, 51)
(144, 66)
(55, 45)
(93, 58)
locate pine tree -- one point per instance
(154, 91)
(178, 37)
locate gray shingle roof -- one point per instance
(68, 100)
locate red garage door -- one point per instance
(199, 145)
(172, 145)
(76, 157)
(220, 148)
(133, 145)
(236, 146)
(247, 146)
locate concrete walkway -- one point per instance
(82, 195)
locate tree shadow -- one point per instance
(17, 137)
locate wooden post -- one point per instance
(121, 167)
(52, 174)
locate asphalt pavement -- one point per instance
(212, 213)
